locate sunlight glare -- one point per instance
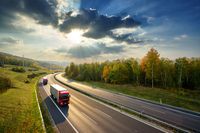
(75, 35)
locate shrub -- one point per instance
(32, 69)
(18, 69)
(33, 75)
(5, 83)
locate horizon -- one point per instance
(82, 31)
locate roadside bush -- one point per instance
(32, 69)
(33, 75)
(5, 83)
(18, 69)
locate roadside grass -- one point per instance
(188, 99)
(18, 105)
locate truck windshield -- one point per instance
(64, 96)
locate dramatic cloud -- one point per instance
(97, 25)
(87, 29)
(128, 38)
(49, 12)
(43, 11)
(90, 51)
(6, 41)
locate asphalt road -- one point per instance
(163, 113)
(86, 115)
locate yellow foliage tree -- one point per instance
(106, 72)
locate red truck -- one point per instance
(44, 80)
(60, 94)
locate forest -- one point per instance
(151, 71)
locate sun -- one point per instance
(75, 35)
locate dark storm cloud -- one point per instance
(90, 51)
(81, 20)
(98, 25)
(41, 10)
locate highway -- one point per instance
(85, 115)
(174, 117)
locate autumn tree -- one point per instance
(106, 72)
(150, 64)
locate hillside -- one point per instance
(9, 59)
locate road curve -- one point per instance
(85, 115)
(163, 113)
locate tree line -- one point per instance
(151, 70)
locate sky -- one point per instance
(99, 30)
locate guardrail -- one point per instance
(128, 109)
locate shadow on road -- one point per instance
(54, 112)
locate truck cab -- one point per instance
(63, 98)
(44, 80)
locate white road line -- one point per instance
(89, 118)
(103, 113)
(62, 113)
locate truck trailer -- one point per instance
(59, 94)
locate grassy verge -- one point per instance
(18, 105)
(187, 99)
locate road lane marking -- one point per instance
(89, 118)
(103, 113)
(62, 112)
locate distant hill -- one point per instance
(60, 63)
(6, 58)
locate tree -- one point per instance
(166, 71)
(106, 72)
(182, 71)
(73, 70)
(194, 73)
(150, 64)
(119, 73)
(135, 69)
